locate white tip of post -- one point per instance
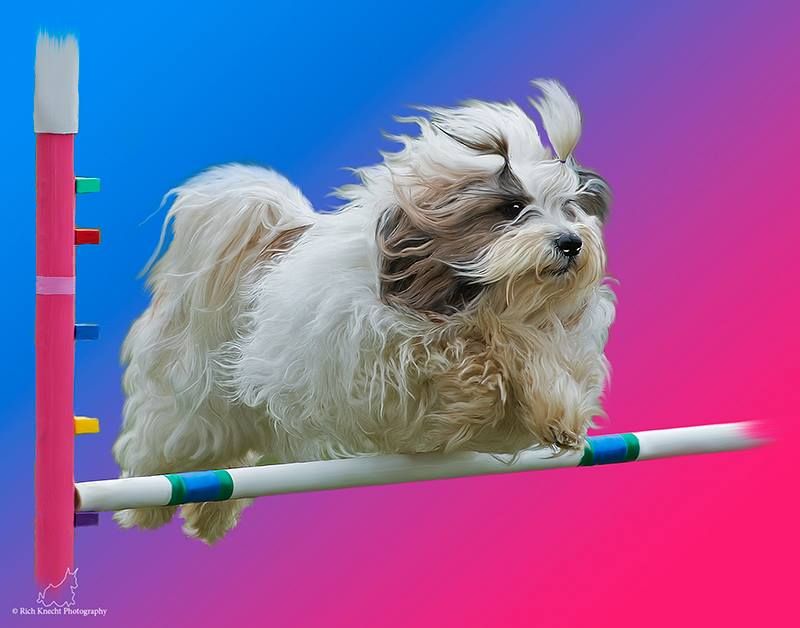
(55, 98)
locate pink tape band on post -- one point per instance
(55, 285)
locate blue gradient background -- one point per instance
(690, 111)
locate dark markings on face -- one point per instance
(507, 190)
(450, 224)
(488, 144)
(416, 270)
(594, 197)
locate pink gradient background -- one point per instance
(691, 113)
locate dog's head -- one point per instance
(476, 209)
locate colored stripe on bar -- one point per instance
(610, 449)
(87, 331)
(200, 486)
(178, 489)
(225, 484)
(633, 447)
(55, 285)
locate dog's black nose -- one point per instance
(569, 244)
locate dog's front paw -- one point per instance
(559, 437)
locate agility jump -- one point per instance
(61, 504)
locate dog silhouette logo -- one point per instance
(61, 594)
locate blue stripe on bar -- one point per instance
(87, 331)
(201, 486)
(608, 449)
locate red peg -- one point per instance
(87, 236)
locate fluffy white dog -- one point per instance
(456, 301)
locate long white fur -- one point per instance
(560, 115)
(295, 357)
(55, 99)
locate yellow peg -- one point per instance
(86, 425)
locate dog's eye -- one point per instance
(512, 209)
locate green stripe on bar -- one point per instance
(631, 446)
(588, 455)
(225, 484)
(178, 489)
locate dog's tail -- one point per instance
(227, 223)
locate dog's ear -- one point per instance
(594, 194)
(411, 274)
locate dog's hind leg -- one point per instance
(209, 521)
(165, 439)
(182, 412)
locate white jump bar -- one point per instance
(178, 488)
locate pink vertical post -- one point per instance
(55, 123)
(55, 324)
